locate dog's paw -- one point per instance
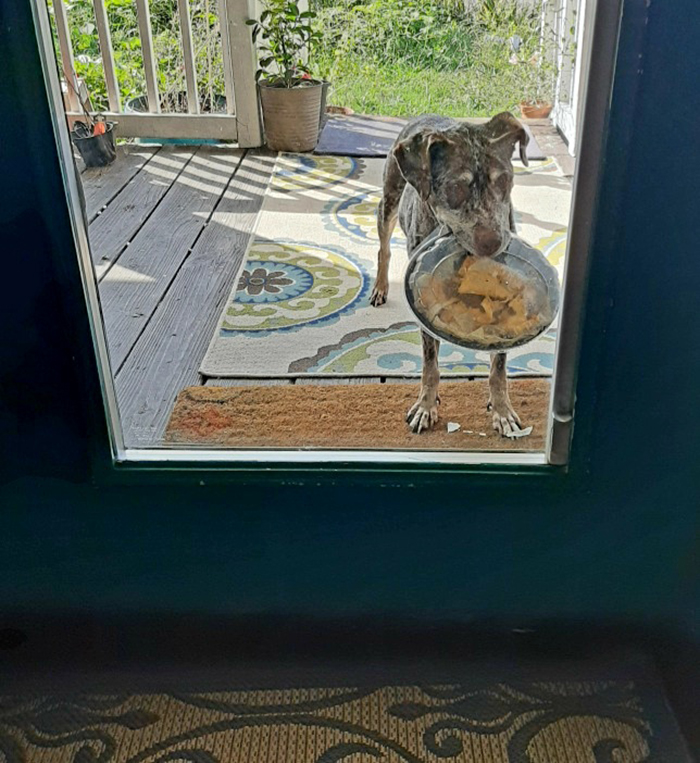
(423, 414)
(378, 296)
(504, 419)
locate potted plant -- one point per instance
(539, 84)
(542, 71)
(291, 99)
(536, 109)
(94, 138)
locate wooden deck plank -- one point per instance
(133, 287)
(116, 226)
(166, 357)
(102, 184)
(552, 144)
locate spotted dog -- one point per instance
(444, 172)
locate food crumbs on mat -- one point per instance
(516, 433)
(453, 426)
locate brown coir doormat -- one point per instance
(344, 416)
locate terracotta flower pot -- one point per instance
(343, 110)
(539, 110)
(292, 115)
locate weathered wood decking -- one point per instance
(169, 227)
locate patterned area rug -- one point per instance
(301, 304)
(487, 722)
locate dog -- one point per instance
(444, 172)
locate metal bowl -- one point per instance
(440, 257)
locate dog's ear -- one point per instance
(504, 129)
(413, 157)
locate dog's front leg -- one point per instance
(505, 419)
(387, 215)
(424, 413)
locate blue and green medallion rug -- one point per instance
(300, 305)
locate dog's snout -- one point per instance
(487, 241)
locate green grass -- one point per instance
(408, 57)
(404, 90)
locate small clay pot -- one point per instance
(343, 110)
(539, 110)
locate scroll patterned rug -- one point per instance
(300, 306)
(479, 722)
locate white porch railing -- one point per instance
(241, 122)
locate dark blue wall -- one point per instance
(616, 538)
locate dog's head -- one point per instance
(465, 175)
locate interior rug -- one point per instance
(368, 135)
(473, 717)
(306, 416)
(300, 305)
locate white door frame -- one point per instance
(570, 96)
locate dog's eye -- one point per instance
(456, 194)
